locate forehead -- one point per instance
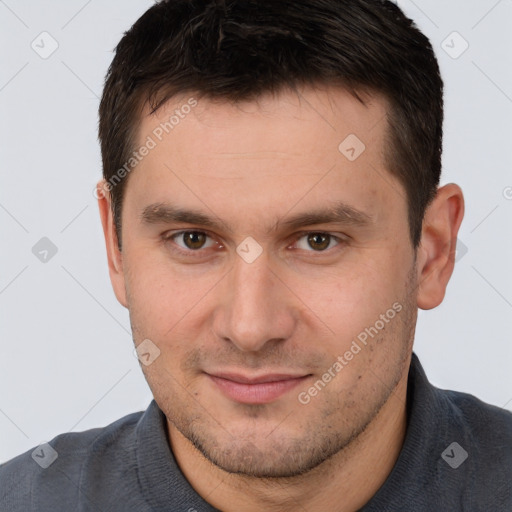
(320, 113)
(307, 147)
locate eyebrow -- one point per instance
(339, 213)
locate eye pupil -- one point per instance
(319, 241)
(194, 239)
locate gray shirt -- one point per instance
(457, 456)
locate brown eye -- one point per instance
(191, 244)
(194, 239)
(319, 241)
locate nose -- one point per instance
(254, 307)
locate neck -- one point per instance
(343, 483)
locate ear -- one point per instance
(114, 255)
(436, 253)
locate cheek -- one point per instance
(343, 301)
(162, 299)
(149, 288)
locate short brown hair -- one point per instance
(240, 49)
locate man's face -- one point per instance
(228, 312)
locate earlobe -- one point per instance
(114, 255)
(436, 259)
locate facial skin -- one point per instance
(293, 310)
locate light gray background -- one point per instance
(66, 354)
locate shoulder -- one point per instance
(482, 444)
(488, 425)
(457, 453)
(51, 472)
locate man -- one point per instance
(273, 221)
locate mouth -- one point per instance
(255, 390)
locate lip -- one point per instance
(255, 390)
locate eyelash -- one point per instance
(169, 237)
